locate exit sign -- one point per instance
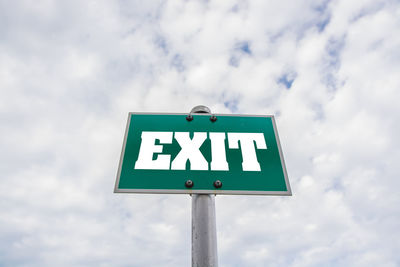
(234, 154)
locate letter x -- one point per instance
(190, 151)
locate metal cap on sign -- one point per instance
(201, 109)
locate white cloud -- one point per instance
(70, 72)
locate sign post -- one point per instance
(202, 154)
(204, 230)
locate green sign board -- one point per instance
(234, 154)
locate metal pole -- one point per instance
(204, 230)
(204, 234)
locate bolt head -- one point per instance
(189, 183)
(217, 184)
(213, 118)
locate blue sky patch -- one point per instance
(321, 25)
(232, 105)
(324, 15)
(287, 80)
(177, 63)
(245, 48)
(161, 43)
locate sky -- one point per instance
(70, 71)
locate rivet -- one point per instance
(218, 184)
(213, 118)
(189, 183)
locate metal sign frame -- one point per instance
(288, 192)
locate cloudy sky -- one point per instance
(70, 71)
